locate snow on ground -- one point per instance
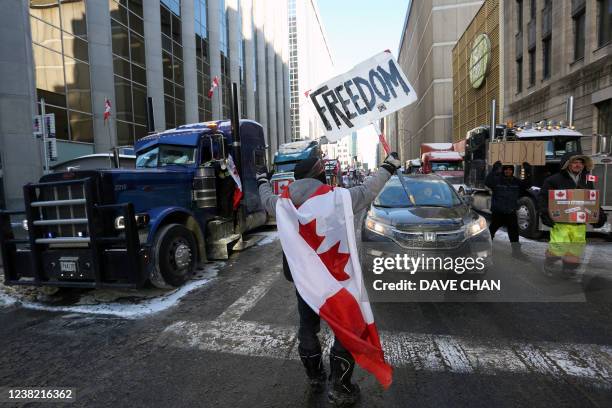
(123, 303)
(270, 236)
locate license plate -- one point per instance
(68, 266)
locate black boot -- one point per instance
(314, 370)
(343, 393)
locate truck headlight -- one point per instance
(120, 223)
(476, 227)
(25, 225)
(378, 227)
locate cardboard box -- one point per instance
(574, 206)
(517, 152)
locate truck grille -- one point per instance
(58, 211)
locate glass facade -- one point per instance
(225, 61)
(61, 60)
(202, 60)
(294, 94)
(241, 48)
(172, 63)
(128, 45)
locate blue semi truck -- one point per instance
(125, 227)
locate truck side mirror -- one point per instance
(468, 200)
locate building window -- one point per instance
(604, 117)
(61, 61)
(519, 15)
(294, 95)
(519, 75)
(532, 10)
(225, 61)
(172, 63)
(546, 56)
(532, 68)
(128, 46)
(604, 22)
(202, 60)
(241, 73)
(579, 34)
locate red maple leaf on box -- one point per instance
(333, 260)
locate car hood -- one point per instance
(423, 218)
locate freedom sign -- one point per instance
(363, 95)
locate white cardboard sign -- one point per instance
(361, 96)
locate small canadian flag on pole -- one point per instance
(592, 178)
(107, 109)
(213, 85)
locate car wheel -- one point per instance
(528, 219)
(174, 257)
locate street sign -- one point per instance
(52, 148)
(50, 124)
(370, 91)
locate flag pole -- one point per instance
(387, 148)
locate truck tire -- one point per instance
(173, 257)
(528, 219)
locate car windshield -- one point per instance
(446, 166)
(283, 167)
(165, 155)
(426, 192)
(561, 145)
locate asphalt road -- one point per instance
(232, 343)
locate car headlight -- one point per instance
(476, 227)
(378, 227)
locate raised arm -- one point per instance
(363, 195)
(268, 198)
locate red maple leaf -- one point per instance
(333, 260)
(560, 193)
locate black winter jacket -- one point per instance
(506, 192)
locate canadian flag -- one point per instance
(592, 194)
(213, 85)
(318, 240)
(591, 177)
(560, 194)
(234, 173)
(579, 216)
(107, 109)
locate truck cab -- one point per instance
(153, 223)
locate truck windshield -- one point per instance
(161, 156)
(446, 166)
(561, 145)
(283, 167)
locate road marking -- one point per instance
(250, 298)
(591, 363)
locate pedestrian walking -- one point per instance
(567, 241)
(507, 190)
(307, 197)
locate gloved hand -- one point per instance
(391, 163)
(546, 220)
(262, 177)
(497, 166)
(527, 168)
(602, 219)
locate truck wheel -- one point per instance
(174, 257)
(528, 219)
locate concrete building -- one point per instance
(310, 63)
(431, 29)
(154, 60)
(557, 49)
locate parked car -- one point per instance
(432, 220)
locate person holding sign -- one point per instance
(315, 224)
(507, 190)
(567, 240)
